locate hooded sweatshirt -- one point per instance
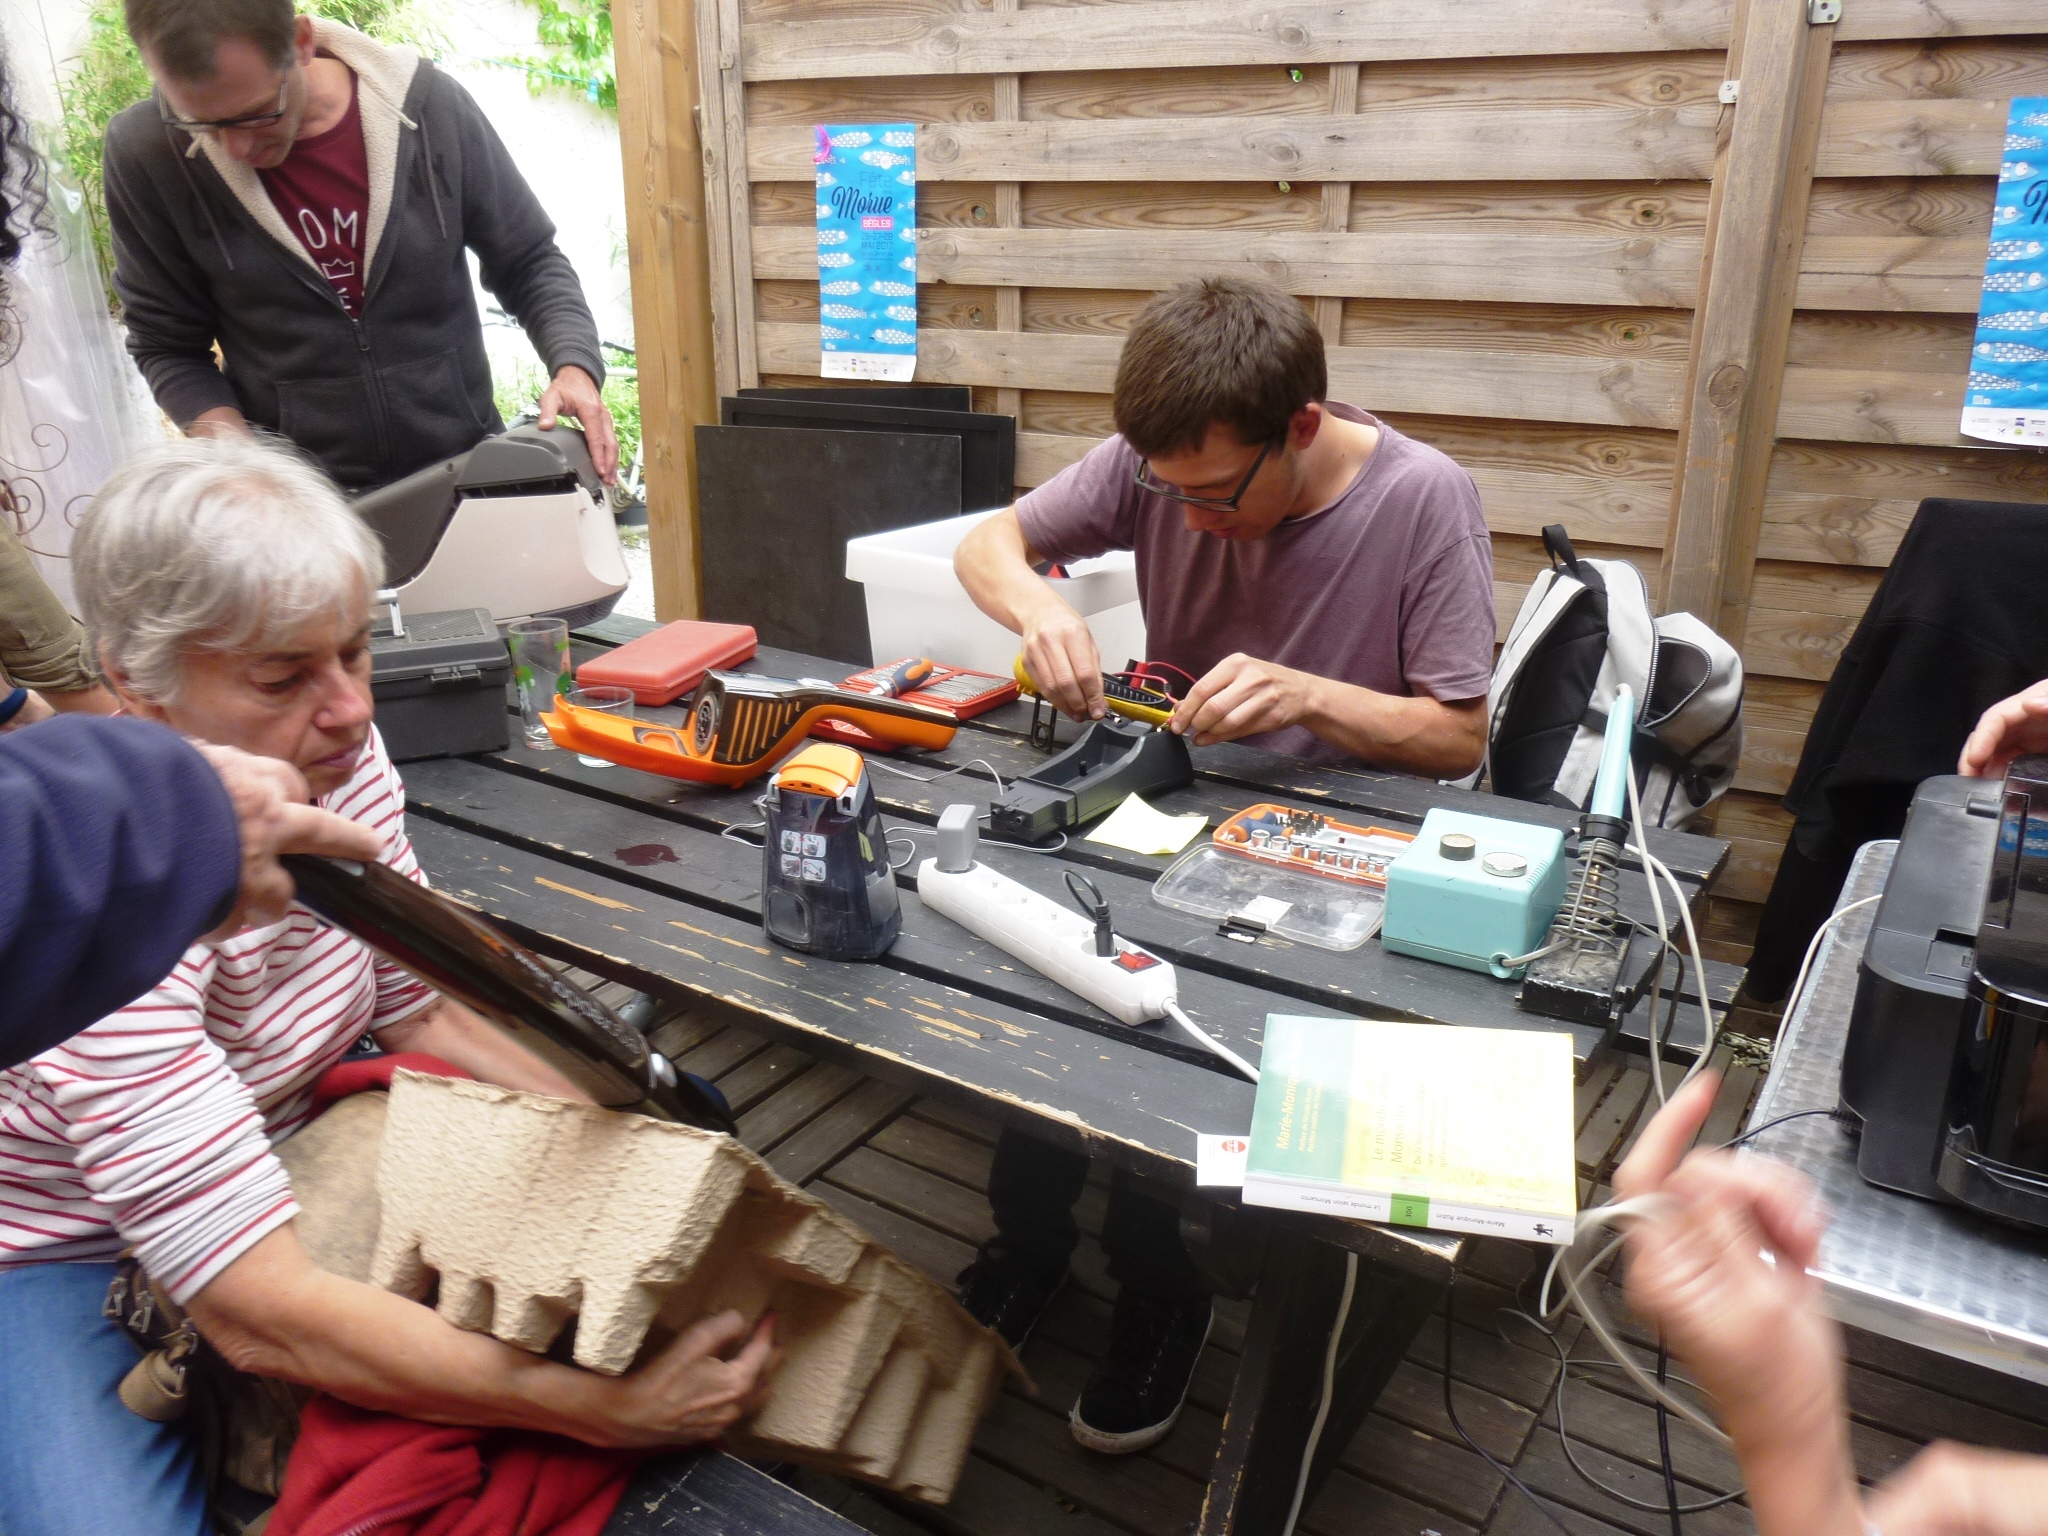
(202, 256)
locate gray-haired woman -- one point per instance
(225, 586)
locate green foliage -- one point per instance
(108, 76)
(518, 388)
(576, 51)
(622, 399)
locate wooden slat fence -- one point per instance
(1531, 232)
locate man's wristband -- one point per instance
(11, 704)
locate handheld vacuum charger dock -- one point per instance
(1112, 760)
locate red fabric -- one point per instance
(355, 1472)
(323, 191)
(347, 1077)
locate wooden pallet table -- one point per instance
(650, 882)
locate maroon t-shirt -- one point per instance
(1390, 587)
(323, 191)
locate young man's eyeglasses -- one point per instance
(248, 120)
(1206, 503)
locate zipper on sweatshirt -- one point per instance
(372, 387)
(380, 407)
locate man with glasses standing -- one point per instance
(304, 199)
(1325, 584)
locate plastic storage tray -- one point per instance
(1283, 897)
(917, 607)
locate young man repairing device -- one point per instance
(1328, 585)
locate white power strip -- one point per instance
(1130, 985)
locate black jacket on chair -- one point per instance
(1959, 622)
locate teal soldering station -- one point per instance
(1498, 896)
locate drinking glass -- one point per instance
(540, 666)
(608, 700)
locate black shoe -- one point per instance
(1135, 1394)
(1002, 1292)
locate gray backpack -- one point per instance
(1586, 626)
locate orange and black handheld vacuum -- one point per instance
(826, 885)
(740, 725)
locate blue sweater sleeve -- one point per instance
(118, 848)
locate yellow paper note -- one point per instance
(1134, 825)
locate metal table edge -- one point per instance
(1849, 1300)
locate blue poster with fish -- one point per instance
(2007, 397)
(867, 250)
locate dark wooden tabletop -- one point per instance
(654, 881)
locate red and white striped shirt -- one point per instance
(153, 1128)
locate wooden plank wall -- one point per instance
(1500, 213)
(1877, 331)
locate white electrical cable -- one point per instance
(1592, 1221)
(1604, 1216)
(1654, 869)
(1607, 1215)
(947, 773)
(1658, 875)
(1813, 948)
(1211, 1042)
(1503, 963)
(1635, 807)
(1710, 1032)
(1544, 1309)
(1315, 1434)
(918, 826)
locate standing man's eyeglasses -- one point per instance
(249, 120)
(1228, 503)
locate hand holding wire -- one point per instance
(1750, 1327)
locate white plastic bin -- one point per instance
(917, 607)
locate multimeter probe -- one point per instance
(1152, 706)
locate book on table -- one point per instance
(1422, 1125)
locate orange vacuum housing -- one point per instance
(740, 725)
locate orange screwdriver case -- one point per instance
(664, 664)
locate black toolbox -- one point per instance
(440, 686)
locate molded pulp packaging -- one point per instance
(532, 1211)
(917, 607)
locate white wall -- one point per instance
(568, 150)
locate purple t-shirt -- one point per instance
(1390, 587)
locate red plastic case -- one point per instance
(662, 666)
(961, 693)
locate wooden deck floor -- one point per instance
(913, 1172)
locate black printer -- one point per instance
(1945, 1067)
